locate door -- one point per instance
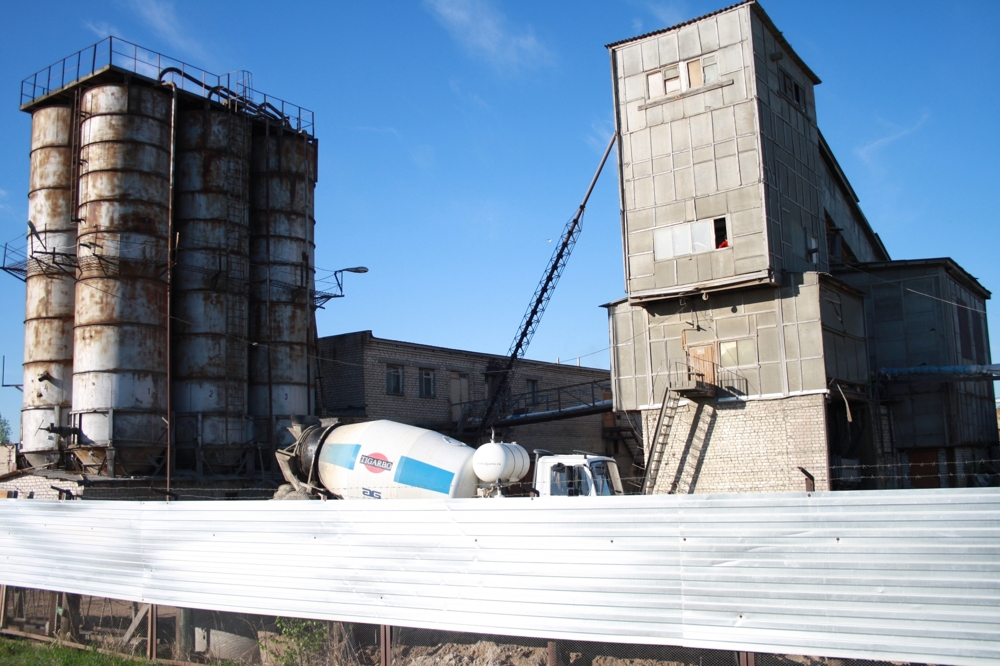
(459, 393)
(703, 361)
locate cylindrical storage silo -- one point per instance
(48, 320)
(210, 297)
(282, 279)
(120, 346)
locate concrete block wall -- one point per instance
(690, 155)
(790, 147)
(778, 330)
(744, 446)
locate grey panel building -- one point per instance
(754, 279)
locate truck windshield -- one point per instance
(571, 480)
(606, 479)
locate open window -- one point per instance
(721, 233)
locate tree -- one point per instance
(4, 430)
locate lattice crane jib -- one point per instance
(497, 406)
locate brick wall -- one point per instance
(744, 446)
(354, 388)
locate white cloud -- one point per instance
(869, 151)
(161, 18)
(102, 29)
(483, 31)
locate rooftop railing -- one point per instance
(129, 57)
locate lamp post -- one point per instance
(320, 298)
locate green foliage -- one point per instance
(4, 430)
(304, 641)
(15, 652)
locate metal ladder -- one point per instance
(661, 435)
(237, 267)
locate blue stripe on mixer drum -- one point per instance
(411, 472)
(341, 455)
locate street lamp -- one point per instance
(321, 297)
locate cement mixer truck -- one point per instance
(389, 460)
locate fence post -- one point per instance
(3, 606)
(385, 642)
(746, 658)
(554, 654)
(151, 633)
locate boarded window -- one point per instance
(695, 79)
(655, 83)
(394, 379)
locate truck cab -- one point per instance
(578, 475)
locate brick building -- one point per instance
(755, 283)
(363, 378)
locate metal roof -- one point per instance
(764, 17)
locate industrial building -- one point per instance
(169, 267)
(559, 407)
(767, 339)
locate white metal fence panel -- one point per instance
(890, 575)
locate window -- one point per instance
(664, 82)
(569, 480)
(394, 379)
(606, 479)
(738, 353)
(792, 90)
(532, 385)
(690, 238)
(812, 251)
(721, 234)
(426, 383)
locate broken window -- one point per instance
(690, 238)
(812, 251)
(793, 91)
(664, 82)
(721, 234)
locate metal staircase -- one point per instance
(661, 435)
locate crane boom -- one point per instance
(543, 293)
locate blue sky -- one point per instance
(458, 136)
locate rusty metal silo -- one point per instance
(119, 367)
(48, 321)
(282, 278)
(210, 297)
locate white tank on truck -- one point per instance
(389, 460)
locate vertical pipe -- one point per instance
(169, 276)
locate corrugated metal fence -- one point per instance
(888, 575)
